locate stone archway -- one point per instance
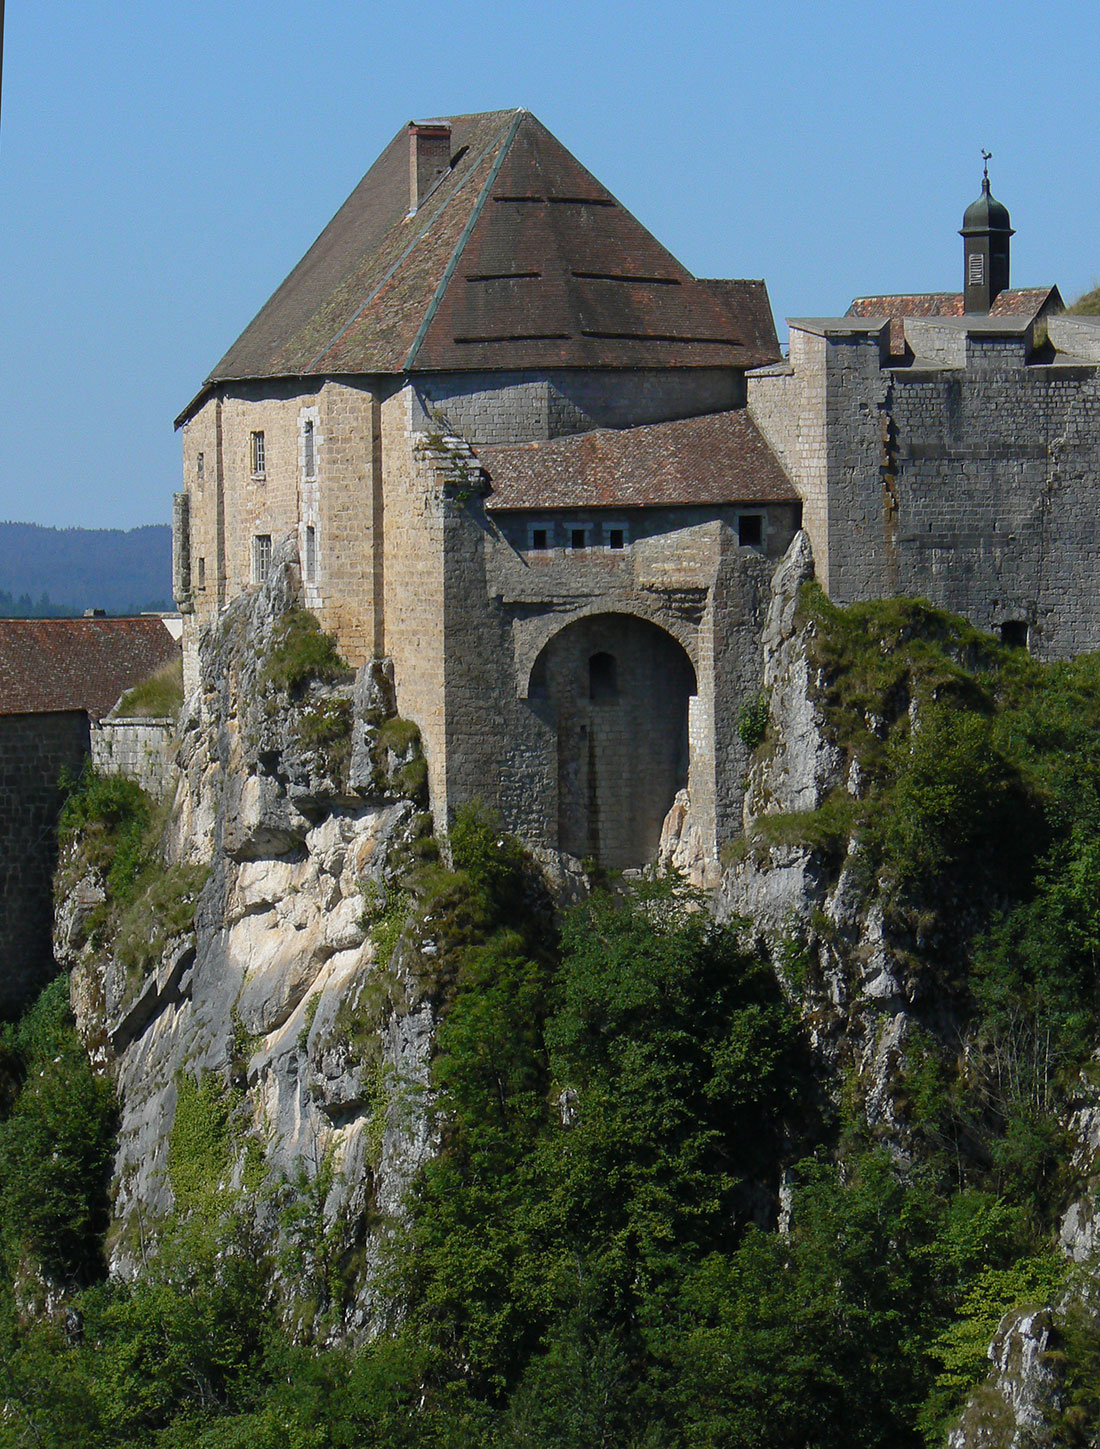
(614, 689)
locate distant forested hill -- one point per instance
(57, 571)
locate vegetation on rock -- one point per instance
(301, 651)
(158, 697)
(660, 1213)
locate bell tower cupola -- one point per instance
(985, 232)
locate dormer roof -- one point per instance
(516, 257)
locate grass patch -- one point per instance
(301, 652)
(163, 910)
(158, 697)
(826, 830)
(200, 1142)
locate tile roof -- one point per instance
(718, 458)
(49, 665)
(517, 258)
(1015, 302)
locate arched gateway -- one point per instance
(614, 689)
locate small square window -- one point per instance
(750, 530)
(257, 455)
(261, 557)
(539, 536)
(309, 458)
(615, 537)
(578, 538)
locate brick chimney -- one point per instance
(429, 157)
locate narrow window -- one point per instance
(603, 684)
(750, 530)
(261, 557)
(202, 573)
(977, 269)
(309, 466)
(578, 538)
(200, 467)
(311, 553)
(540, 539)
(258, 455)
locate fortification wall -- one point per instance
(320, 450)
(34, 748)
(137, 748)
(513, 407)
(976, 487)
(413, 585)
(788, 406)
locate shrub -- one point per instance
(301, 652)
(56, 1144)
(752, 721)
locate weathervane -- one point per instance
(987, 157)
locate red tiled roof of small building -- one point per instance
(714, 459)
(56, 665)
(1015, 302)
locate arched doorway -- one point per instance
(614, 689)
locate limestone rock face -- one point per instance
(820, 919)
(1012, 1409)
(277, 990)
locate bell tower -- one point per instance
(985, 232)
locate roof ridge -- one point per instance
(475, 212)
(334, 339)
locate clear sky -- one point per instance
(162, 167)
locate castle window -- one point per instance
(261, 557)
(202, 571)
(615, 536)
(311, 553)
(1014, 633)
(578, 538)
(257, 455)
(200, 467)
(538, 537)
(603, 684)
(309, 461)
(750, 530)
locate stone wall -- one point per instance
(513, 407)
(34, 749)
(489, 735)
(971, 478)
(231, 506)
(137, 748)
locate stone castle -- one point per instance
(531, 461)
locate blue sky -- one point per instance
(163, 167)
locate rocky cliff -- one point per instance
(296, 979)
(294, 808)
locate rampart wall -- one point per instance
(34, 749)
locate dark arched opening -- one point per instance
(614, 689)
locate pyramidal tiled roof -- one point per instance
(517, 258)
